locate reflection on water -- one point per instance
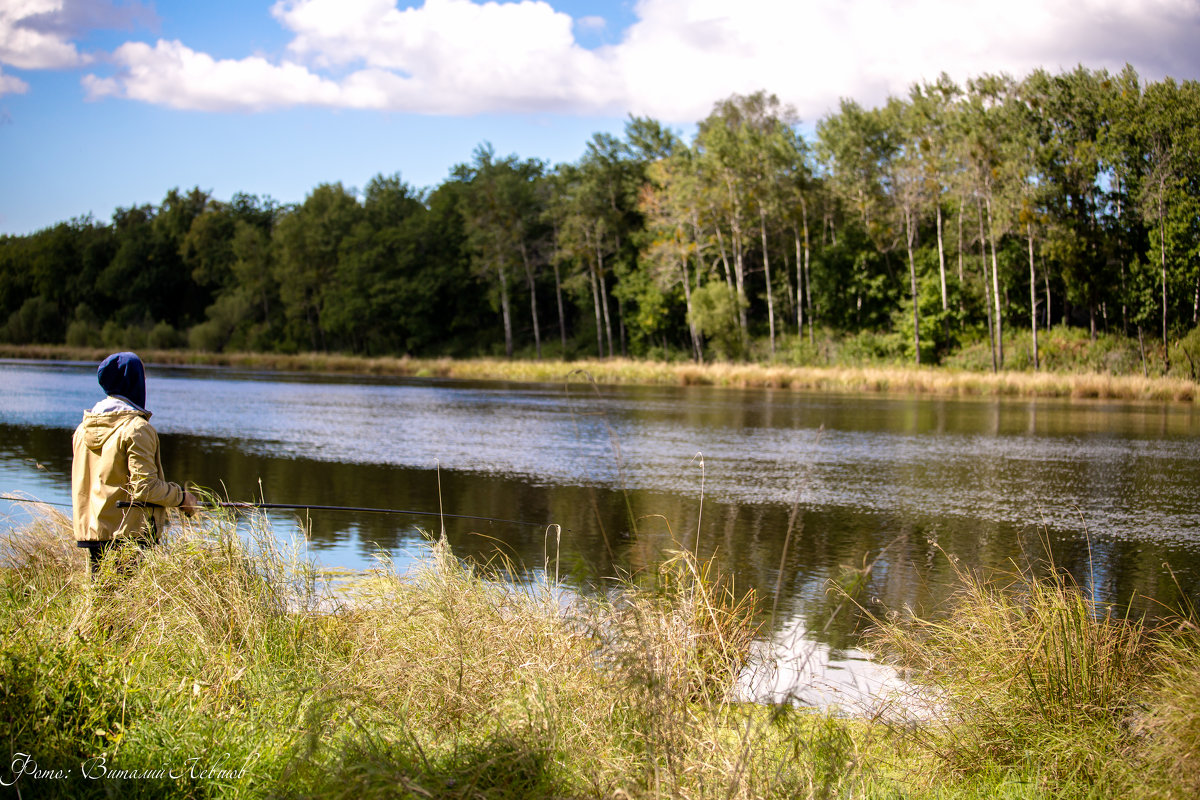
(796, 668)
(796, 488)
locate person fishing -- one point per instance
(119, 494)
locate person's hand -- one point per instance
(190, 504)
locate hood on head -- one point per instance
(123, 375)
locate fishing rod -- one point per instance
(244, 506)
(33, 500)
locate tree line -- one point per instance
(950, 216)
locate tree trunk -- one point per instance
(1196, 302)
(504, 310)
(1142, 350)
(724, 259)
(789, 297)
(1162, 245)
(1124, 287)
(599, 318)
(799, 283)
(697, 349)
(910, 234)
(697, 340)
(621, 325)
(562, 318)
(807, 274)
(987, 290)
(1032, 295)
(962, 281)
(739, 272)
(739, 265)
(996, 288)
(537, 333)
(1046, 280)
(604, 299)
(942, 259)
(762, 226)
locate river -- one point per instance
(787, 490)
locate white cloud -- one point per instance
(455, 56)
(812, 53)
(591, 23)
(173, 75)
(12, 85)
(674, 62)
(25, 40)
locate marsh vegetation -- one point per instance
(452, 681)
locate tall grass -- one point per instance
(448, 681)
(1035, 681)
(1171, 723)
(222, 665)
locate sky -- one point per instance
(111, 103)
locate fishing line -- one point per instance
(32, 500)
(310, 507)
(294, 507)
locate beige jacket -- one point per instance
(116, 458)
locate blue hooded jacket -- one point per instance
(122, 375)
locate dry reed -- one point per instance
(940, 381)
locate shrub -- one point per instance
(36, 321)
(163, 337)
(117, 337)
(82, 334)
(715, 313)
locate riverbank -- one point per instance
(938, 381)
(220, 666)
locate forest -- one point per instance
(953, 217)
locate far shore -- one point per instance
(938, 381)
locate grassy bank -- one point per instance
(218, 667)
(1042, 691)
(944, 381)
(439, 683)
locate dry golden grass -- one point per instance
(452, 681)
(902, 380)
(449, 681)
(1034, 676)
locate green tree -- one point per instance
(800, 189)
(933, 108)
(854, 147)
(981, 141)
(905, 175)
(308, 247)
(595, 219)
(1169, 192)
(671, 208)
(503, 214)
(146, 280)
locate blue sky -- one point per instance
(107, 103)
